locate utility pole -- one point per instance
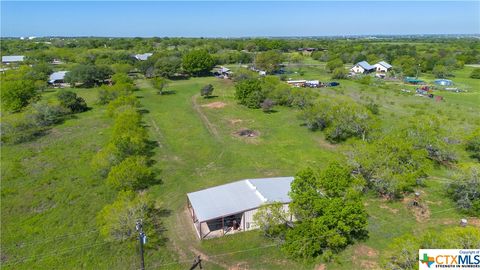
(142, 238)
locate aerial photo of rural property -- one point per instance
(240, 135)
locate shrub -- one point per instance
(17, 94)
(473, 144)
(465, 189)
(117, 220)
(109, 93)
(267, 105)
(475, 74)
(131, 174)
(206, 91)
(339, 73)
(129, 101)
(71, 101)
(18, 128)
(105, 159)
(44, 114)
(249, 93)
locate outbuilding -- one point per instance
(230, 208)
(362, 67)
(8, 59)
(297, 83)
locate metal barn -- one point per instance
(229, 208)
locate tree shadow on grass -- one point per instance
(210, 97)
(168, 92)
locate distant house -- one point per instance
(8, 59)
(362, 68)
(229, 208)
(143, 56)
(57, 78)
(382, 67)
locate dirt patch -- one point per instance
(239, 266)
(363, 250)
(215, 105)
(235, 121)
(325, 144)
(321, 267)
(393, 210)
(247, 133)
(206, 258)
(369, 265)
(421, 210)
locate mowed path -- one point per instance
(197, 149)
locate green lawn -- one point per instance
(50, 196)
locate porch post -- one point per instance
(200, 224)
(223, 226)
(244, 217)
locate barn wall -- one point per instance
(247, 218)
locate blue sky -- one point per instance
(237, 19)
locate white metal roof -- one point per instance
(59, 75)
(12, 58)
(385, 64)
(143, 57)
(365, 65)
(239, 196)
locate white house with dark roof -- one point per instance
(230, 208)
(362, 67)
(7, 59)
(382, 67)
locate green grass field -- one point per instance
(50, 196)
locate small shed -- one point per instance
(7, 59)
(443, 82)
(230, 208)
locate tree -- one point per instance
(160, 84)
(198, 62)
(117, 221)
(89, 75)
(206, 91)
(267, 105)
(339, 73)
(105, 159)
(334, 64)
(129, 101)
(167, 66)
(44, 114)
(129, 135)
(465, 189)
(440, 71)
(390, 165)
(71, 101)
(329, 209)
(131, 174)
(269, 61)
(273, 219)
(249, 93)
(475, 73)
(16, 94)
